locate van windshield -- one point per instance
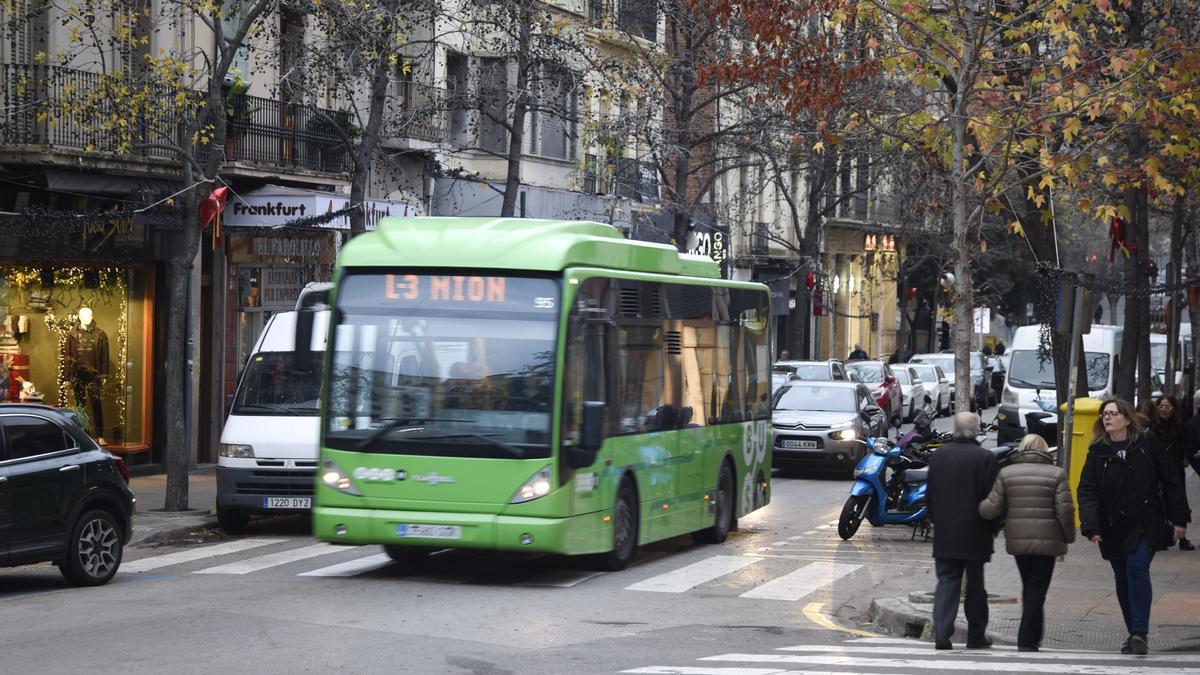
(1025, 371)
(271, 385)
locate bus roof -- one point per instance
(515, 243)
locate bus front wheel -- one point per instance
(724, 518)
(406, 554)
(625, 529)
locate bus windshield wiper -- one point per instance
(273, 407)
(514, 450)
(395, 424)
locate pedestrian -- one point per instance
(1169, 433)
(1191, 436)
(859, 354)
(1131, 504)
(1000, 347)
(1032, 498)
(784, 355)
(961, 475)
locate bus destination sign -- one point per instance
(450, 291)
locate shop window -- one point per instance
(80, 338)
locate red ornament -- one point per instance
(810, 280)
(910, 294)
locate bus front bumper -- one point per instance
(447, 530)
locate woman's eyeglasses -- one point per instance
(1111, 413)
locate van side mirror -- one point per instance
(591, 435)
(306, 312)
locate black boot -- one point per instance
(1185, 545)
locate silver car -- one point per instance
(937, 385)
(822, 425)
(913, 396)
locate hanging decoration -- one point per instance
(1116, 236)
(210, 212)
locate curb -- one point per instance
(166, 528)
(902, 618)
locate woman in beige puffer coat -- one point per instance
(1031, 494)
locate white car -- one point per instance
(937, 385)
(913, 397)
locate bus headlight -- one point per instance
(333, 476)
(236, 451)
(535, 487)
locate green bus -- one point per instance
(535, 385)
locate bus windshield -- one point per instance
(453, 366)
(1026, 371)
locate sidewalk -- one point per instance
(1081, 607)
(152, 524)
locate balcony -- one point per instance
(622, 177)
(638, 18)
(58, 108)
(760, 239)
(419, 112)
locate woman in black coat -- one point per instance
(1168, 431)
(1130, 503)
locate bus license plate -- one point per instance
(287, 502)
(800, 445)
(429, 531)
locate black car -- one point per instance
(63, 499)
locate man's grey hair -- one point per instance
(966, 426)
(1196, 398)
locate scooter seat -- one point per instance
(916, 475)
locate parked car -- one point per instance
(913, 396)
(878, 377)
(937, 385)
(63, 499)
(821, 371)
(824, 424)
(980, 390)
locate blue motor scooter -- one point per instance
(883, 500)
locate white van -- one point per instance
(1029, 383)
(267, 462)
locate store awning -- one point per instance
(276, 205)
(90, 182)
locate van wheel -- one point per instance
(95, 550)
(232, 520)
(625, 529)
(723, 520)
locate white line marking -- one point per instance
(353, 567)
(275, 559)
(801, 582)
(810, 532)
(796, 537)
(779, 543)
(198, 553)
(559, 578)
(938, 662)
(686, 578)
(699, 670)
(854, 650)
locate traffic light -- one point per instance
(944, 336)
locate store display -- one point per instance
(85, 366)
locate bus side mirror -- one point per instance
(306, 312)
(591, 434)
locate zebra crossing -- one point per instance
(755, 576)
(888, 656)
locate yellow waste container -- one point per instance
(1087, 411)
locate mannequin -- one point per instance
(85, 366)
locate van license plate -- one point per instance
(287, 502)
(429, 531)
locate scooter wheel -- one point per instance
(852, 515)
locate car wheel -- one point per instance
(724, 509)
(94, 553)
(625, 529)
(232, 520)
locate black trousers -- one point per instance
(87, 393)
(949, 590)
(1036, 571)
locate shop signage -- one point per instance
(281, 286)
(272, 210)
(286, 248)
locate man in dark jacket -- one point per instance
(1191, 436)
(961, 475)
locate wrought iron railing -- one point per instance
(760, 239)
(58, 107)
(419, 111)
(621, 177)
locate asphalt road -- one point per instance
(781, 595)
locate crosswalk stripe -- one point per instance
(937, 662)
(353, 567)
(560, 578)
(855, 650)
(266, 561)
(801, 582)
(199, 553)
(687, 578)
(699, 670)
